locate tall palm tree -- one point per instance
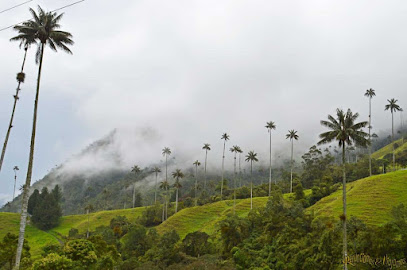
(206, 147)
(166, 152)
(156, 170)
(178, 174)
(292, 135)
(225, 137)
(370, 93)
(15, 169)
(250, 157)
(393, 107)
(345, 131)
(196, 164)
(136, 169)
(88, 209)
(42, 29)
(20, 79)
(164, 186)
(270, 126)
(106, 194)
(235, 150)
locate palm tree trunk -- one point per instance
(155, 192)
(251, 184)
(270, 167)
(87, 232)
(196, 185)
(392, 138)
(234, 186)
(27, 185)
(206, 158)
(292, 152)
(176, 201)
(240, 172)
(163, 216)
(345, 243)
(223, 163)
(370, 138)
(15, 181)
(166, 204)
(3, 152)
(134, 194)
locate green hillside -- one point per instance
(388, 149)
(370, 199)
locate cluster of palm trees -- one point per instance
(43, 29)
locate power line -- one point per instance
(15, 6)
(77, 2)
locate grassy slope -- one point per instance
(370, 199)
(389, 149)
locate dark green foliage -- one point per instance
(73, 233)
(233, 230)
(33, 201)
(151, 216)
(120, 225)
(46, 209)
(54, 261)
(196, 244)
(81, 251)
(8, 249)
(52, 248)
(136, 242)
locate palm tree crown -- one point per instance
(156, 170)
(251, 156)
(207, 147)
(270, 125)
(166, 151)
(197, 163)
(225, 137)
(16, 168)
(292, 134)
(177, 174)
(392, 106)
(370, 93)
(136, 169)
(42, 30)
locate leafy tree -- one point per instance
(225, 137)
(42, 29)
(178, 174)
(81, 251)
(136, 242)
(20, 79)
(46, 210)
(345, 130)
(233, 230)
(292, 135)
(393, 107)
(196, 244)
(250, 157)
(270, 126)
(206, 147)
(53, 261)
(120, 225)
(370, 93)
(33, 201)
(8, 250)
(156, 170)
(196, 164)
(151, 216)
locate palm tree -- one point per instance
(224, 137)
(156, 170)
(196, 164)
(15, 169)
(250, 157)
(177, 175)
(166, 152)
(43, 29)
(235, 150)
(270, 126)
(164, 186)
(370, 93)
(239, 150)
(20, 79)
(393, 107)
(292, 135)
(88, 209)
(206, 147)
(136, 169)
(346, 131)
(106, 194)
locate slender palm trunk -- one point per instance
(292, 152)
(370, 138)
(240, 172)
(23, 220)
(155, 189)
(134, 195)
(166, 180)
(234, 186)
(196, 185)
(251, 184)
(163, 216)
(345, 243)
(166, 204)
(15, 181)
(392, 138)
(206, 158)
(176, 201)
(10, 126)
(223, 163)
(270, 167)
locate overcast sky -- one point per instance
(190, 70)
